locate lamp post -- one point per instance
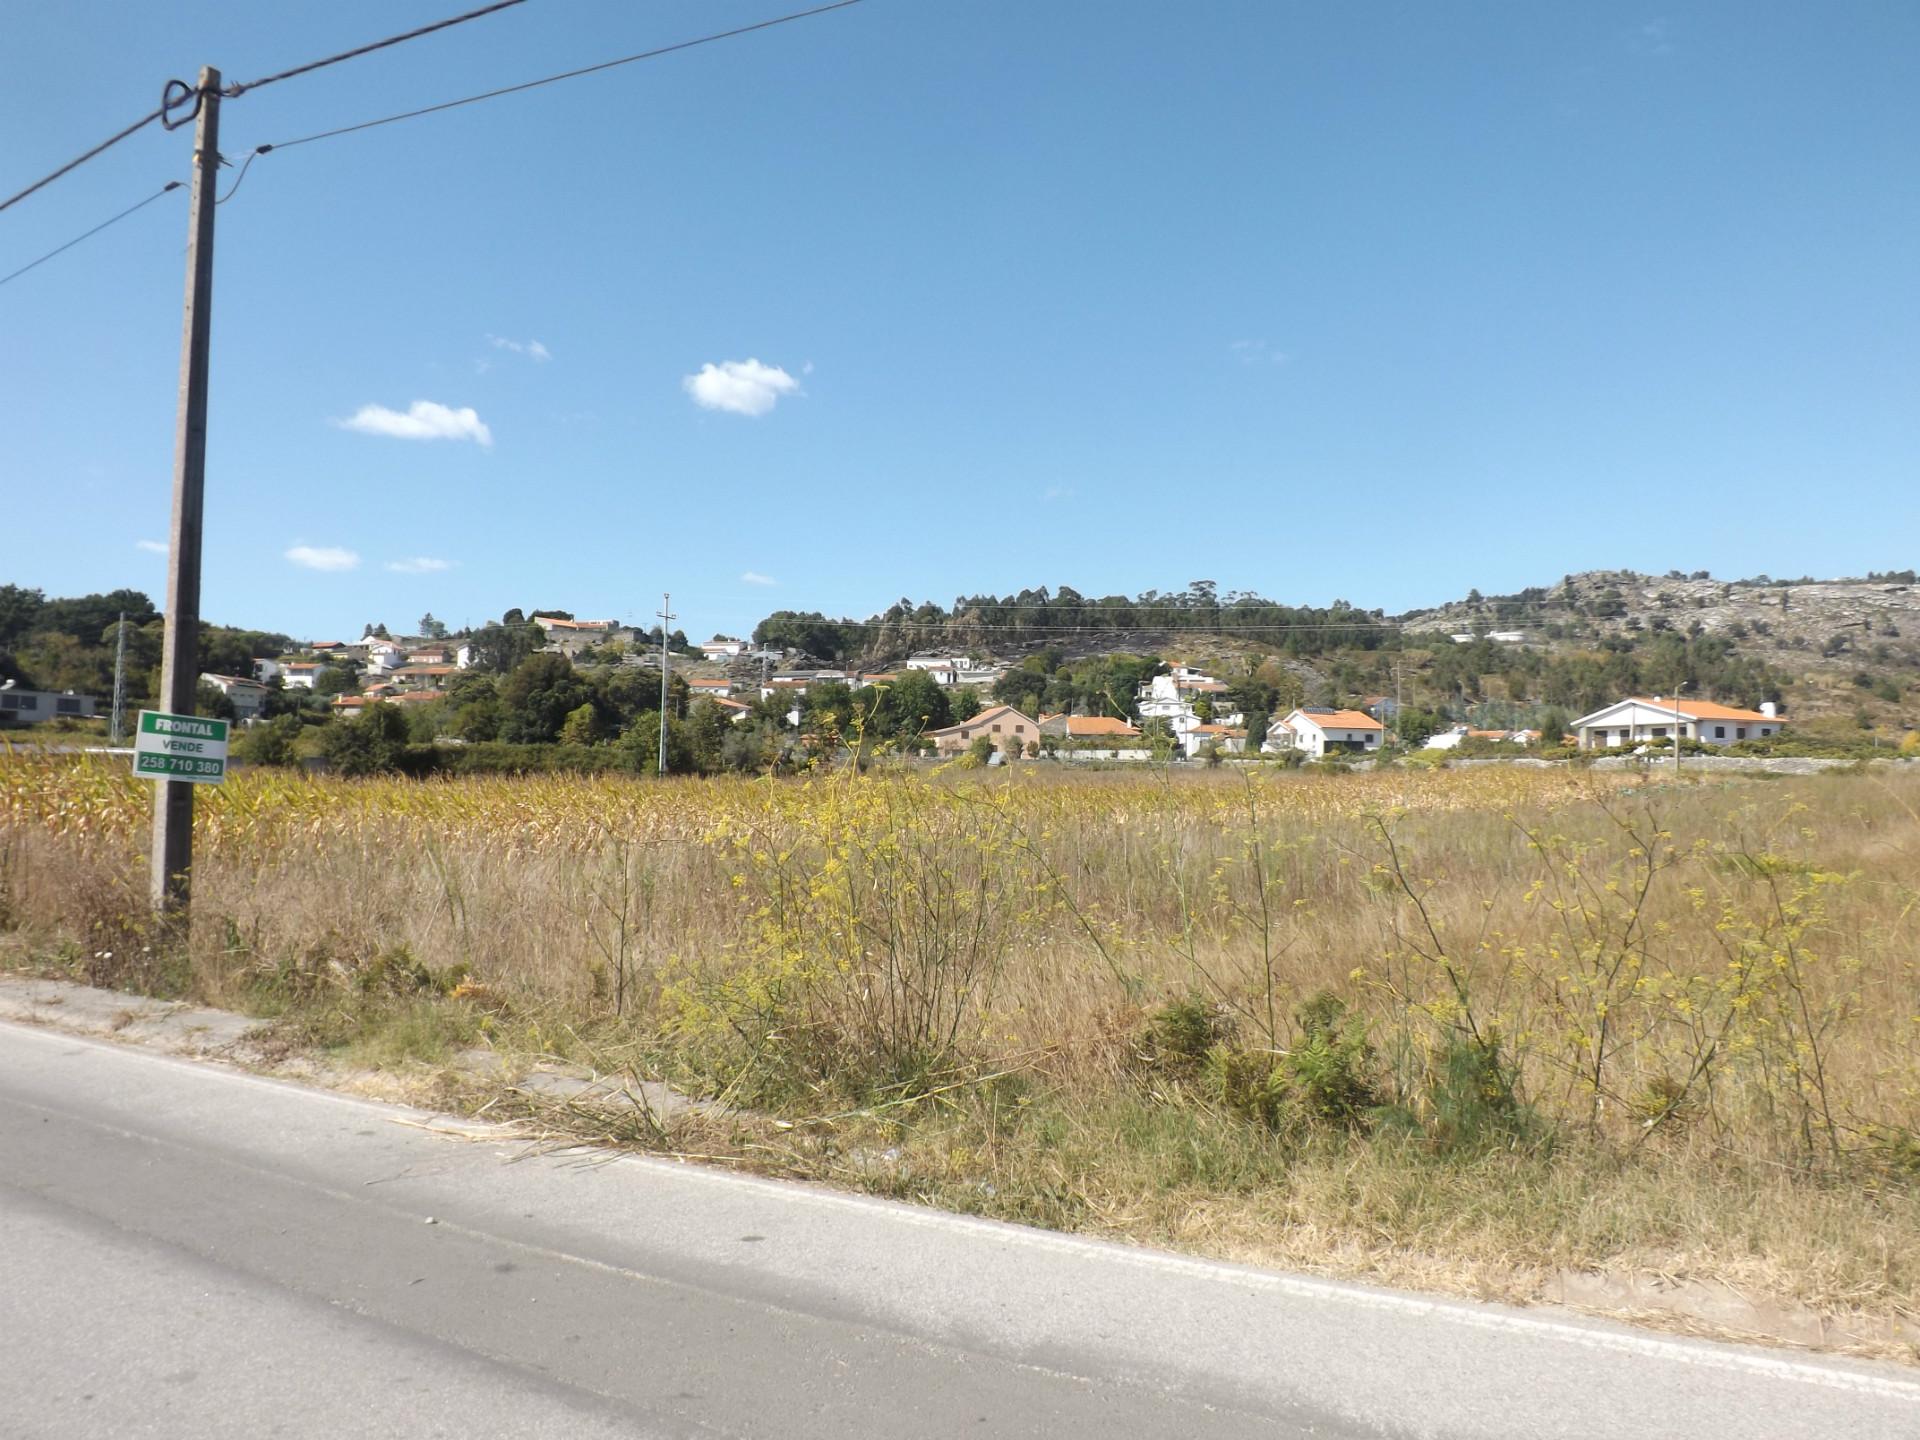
(1679, 725)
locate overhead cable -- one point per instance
(564, 75)
(178, 92)
(312, 65)
(78, 161)
(170, 185)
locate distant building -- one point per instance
(1639, 719)
(248, 697)
(1000, 723)
(1316, 730)
(1228, 739)
(723, 648)
(1087, 727)
(30, 707)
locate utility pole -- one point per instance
(119, 729)
(666, 618)
(180, 656)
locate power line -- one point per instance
(78, 161)
(564, 75)
(176, 92)
(237, 90)
(170, 185)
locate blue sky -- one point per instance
(1378, 302)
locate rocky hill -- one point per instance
(1807, 623)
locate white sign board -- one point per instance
(180, 747)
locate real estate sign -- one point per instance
(180, 747)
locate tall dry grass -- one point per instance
(1704, 989)
(1735, 958)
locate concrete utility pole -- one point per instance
(180, 657)
(118, 731)
(666, 619)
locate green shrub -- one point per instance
(1181, 1032)
(1331, 1066)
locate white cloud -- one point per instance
(532, 349)
(322, 557)
(152, 547)
(424, 420)
(418, 565)
(1058, 492)
(1258, 352)
(744, 387)
(754, 577)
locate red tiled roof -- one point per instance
(1702, 709)
(1343, 720)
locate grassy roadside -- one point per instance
(1222, 1019)
(1138, 1165)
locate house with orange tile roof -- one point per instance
(1641, 719)
(1087, 727)
(1000, 723)
(1315, 730)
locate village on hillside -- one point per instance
(1182, 713)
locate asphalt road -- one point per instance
(189, 1251)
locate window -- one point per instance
(996, 729)
(1719, 732)
(1659, 732)
(1740, 732)
(67, 705)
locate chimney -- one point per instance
(1769, 709)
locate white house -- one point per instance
(248, 697)
(1229, 739)
(299, 674)
(1449, 738)
(1639, 719)
(957, 670)
(384, 655)
(1160, 699)
(1317, 730)
(29, 707)
(723, 648)
(712, 689)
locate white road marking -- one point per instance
(1595, 1335)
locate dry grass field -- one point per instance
(1469, 1029)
